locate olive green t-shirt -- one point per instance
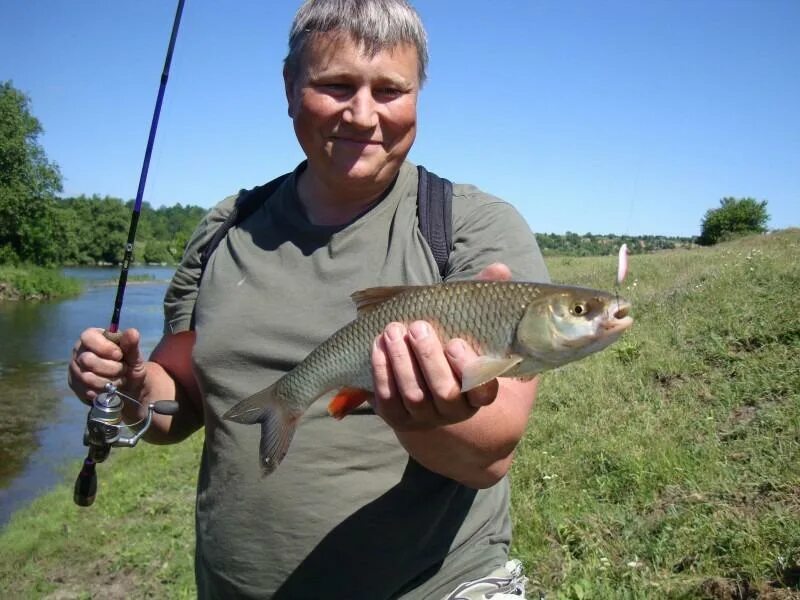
(347, 514)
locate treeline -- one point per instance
(39, 228)
(589, 244)
(95, 230)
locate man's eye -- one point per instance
(335, 88)
(388, 92)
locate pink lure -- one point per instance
(622, 264)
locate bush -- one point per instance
(157, 252)
(734, 217)
(29, 282)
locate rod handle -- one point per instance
(113, 336)
(86, 484)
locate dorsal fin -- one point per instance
(366, 300)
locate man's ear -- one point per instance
(288, 86)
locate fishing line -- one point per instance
(624, 252)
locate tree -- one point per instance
(95, 228)
(156, 251)
(735, 216)
(28, 184)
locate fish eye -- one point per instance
(579, 309)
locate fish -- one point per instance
(518, 329)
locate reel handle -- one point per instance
(166, 407)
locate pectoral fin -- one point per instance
(486, 368)
(346, 401)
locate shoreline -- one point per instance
(41, 290)
(31, 283)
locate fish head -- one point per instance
(569, 323)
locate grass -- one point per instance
(136, 541)
(665, 467)
(669, 466)
(29, 282)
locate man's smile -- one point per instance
(355, 140)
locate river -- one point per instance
(41, 421)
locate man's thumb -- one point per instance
(132, 354)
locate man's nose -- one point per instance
(360, 110)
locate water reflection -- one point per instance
(41, 422)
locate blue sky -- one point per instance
(630, 117)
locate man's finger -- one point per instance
(87, 384)
(495, 272)
(92, 340)
(443, 385)
(131, 353)
(385, 397)
(89, 362)
(406, 373)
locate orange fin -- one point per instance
(346, 401)
(369, 298)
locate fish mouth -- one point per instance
(619, 320)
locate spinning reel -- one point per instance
(105, 430)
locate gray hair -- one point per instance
(376, 24)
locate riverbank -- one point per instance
(29, 282)
(41, 421)
(665, 467)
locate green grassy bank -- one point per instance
(29, 282)
(666, 467)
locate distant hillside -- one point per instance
(590, 244)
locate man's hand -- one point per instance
(96, 361)
(417, 381)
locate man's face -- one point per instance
(355, 116)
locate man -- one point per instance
(409, 499)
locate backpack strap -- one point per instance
(434, 213)
(247, 202)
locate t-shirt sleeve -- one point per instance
(486, 230)
(182, 292)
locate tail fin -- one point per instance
(277, 425)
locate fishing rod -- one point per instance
(104, 426)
